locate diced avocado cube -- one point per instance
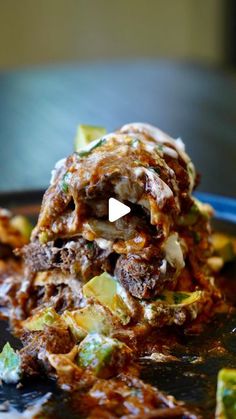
(226, 394)
(223, 247)
(10, 365)
(102, 355)
(86, 134)
(23, 225)
(102, 287)
(92, 318)
(105, 289)
(77, 331)
(38, 321)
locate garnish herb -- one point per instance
(85, 153)
(138, 162)
(160, 147)
(190, 169)
(194, 209)
(155, 169)
(65, 182)
(179, 297)
(134, 142)
(161, 297)
(196, 237)
(191, 217)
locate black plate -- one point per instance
(188, 380)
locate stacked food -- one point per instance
(91, 287)
(155, 256)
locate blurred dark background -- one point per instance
(104, 62)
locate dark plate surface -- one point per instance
(187, 379)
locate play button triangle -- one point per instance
(116, 209)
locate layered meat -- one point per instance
(78, 257)
(150, 250)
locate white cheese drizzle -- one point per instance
(173, 252)
(59, 164)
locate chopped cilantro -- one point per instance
(85, 153)
(65, 182)
(191, 217)
(155, 169)
(134, 142)
(190, 169)
(90, 245)
(160, 147)
(196, 237)
(178, 297)
(194, 209)
(161, 297)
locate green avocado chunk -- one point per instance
(226, 394)
(86, 134)
(10, 365)
(103, 355)
(92, 318)
(23, 225)
(108, 292)
(38, 321)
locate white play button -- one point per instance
(116, 209)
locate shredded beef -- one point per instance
(143, 278)
(34, 354)
(80, 257)
(61, 297)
